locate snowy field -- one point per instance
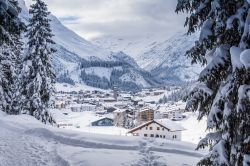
(84, 119)
(27, 142)
(194, 130)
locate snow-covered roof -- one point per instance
(172, 107)
(170, 124)
(59, 115)
(166, 123)
(59, 102)
(102, 118)
(146, 109)
(120, 110)
(82, 105)
(126, 95)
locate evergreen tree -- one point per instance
(10, 50)
(39, 77)
(223, 93)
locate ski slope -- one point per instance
(27, 142)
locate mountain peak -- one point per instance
(79, 61)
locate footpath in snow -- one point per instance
(27, 142)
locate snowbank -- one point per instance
(25, 141)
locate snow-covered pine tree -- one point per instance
(223, 94)
(11, 28)
(38, 74)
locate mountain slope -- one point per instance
(164, 59)
(132, 46)
(73, 50)
(168, 62)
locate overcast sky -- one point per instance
(92, 18)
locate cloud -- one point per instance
(91, 18)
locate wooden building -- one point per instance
(145, 115)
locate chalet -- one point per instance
(162, 128)
(103, 122)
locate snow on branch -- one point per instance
(209, 139)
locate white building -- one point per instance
(60, 104)
(160, 128)
(169, 112)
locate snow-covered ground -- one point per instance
(83, 121)
(131, 45)
(195, 130)
(27, 142)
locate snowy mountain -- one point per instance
(163, 58)
(73, 51)
(168, 62)
(132, 46)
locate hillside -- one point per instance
(163, 58)
(168, 62)
(133, 46)
(73, 51)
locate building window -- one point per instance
(151, 128)
(158, 128)
(174, 136)
(157, 136)
(146, 128)
(145, 135)
(160, 136)
(151, 135)
(162, 129)
(164, 136)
